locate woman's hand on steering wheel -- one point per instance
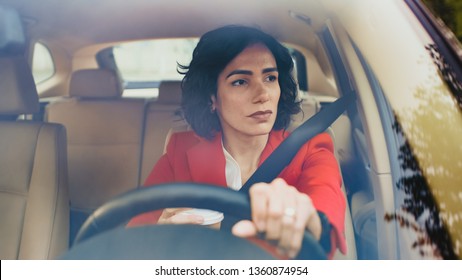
(177, 216)
(278, 210)
(282, 214)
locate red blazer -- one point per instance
(314, 171)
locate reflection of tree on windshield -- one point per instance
(420, 203)
(431, 166)
(446, 73)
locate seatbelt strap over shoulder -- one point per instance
(286, 151)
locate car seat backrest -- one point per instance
(104, 140)
(349, 229)
(19, 94)
(95, 83)
(309, 105)
(160, 117)
(34, 203)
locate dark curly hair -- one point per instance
(212, 54)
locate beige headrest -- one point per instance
(95, 83)
(18, 94)
(170, 92)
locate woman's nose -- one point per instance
(261, 93)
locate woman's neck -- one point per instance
(246, 150)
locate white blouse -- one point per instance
(232, 171)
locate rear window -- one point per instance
(143, 65)
(43, 67)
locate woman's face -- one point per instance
(248, 93)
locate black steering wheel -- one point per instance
(101, 236)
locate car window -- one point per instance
(450, 12)
(42, 64)
(144, 64)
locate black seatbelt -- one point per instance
(285, 152)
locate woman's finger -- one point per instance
(186, 218)
(176, 216)
(290, 219)
(277, 198)
(258, 204)
(305, 209)
(169, 212)
(244, 229)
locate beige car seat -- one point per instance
(34, 204)
(104, 140)
(160, 117)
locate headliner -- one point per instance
(75, 24)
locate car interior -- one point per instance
(74, 141)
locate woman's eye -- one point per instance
(239, 83)
(271, 78)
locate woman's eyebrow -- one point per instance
(267, 70)
(248, 72)
(239, 72)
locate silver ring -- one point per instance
(289, 212)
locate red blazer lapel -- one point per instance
(275, 138)
(207, 162)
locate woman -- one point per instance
(238, 97)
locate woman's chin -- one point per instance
(260, 131)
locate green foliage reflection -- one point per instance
(450, 11)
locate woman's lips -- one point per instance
(261, 115)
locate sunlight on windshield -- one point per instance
(434, 132)
(430, 160)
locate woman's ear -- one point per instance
(213, 105)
